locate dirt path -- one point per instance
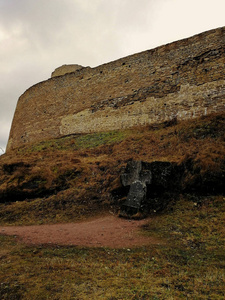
(108, 231)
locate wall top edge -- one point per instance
(183, 42)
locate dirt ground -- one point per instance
(108, 231)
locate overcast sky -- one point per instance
(37, 36)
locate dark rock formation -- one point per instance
(137, 178)
(150, 185)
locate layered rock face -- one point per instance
(182, 80)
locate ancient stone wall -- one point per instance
(183, 79)
(65, 69)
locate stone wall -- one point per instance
(65, 69)
(183, 79)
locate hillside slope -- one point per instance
(77, 176)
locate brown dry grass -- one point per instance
(72, 177)
(76, 175)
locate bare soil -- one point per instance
(108, 231)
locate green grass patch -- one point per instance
(190, 265)
(76, 142)
(98, 139)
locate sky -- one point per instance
(37, 36)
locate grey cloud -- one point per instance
(39, 22)
(4, 133)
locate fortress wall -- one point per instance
(183, 79)
(65, 69)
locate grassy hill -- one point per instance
(74, 177)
